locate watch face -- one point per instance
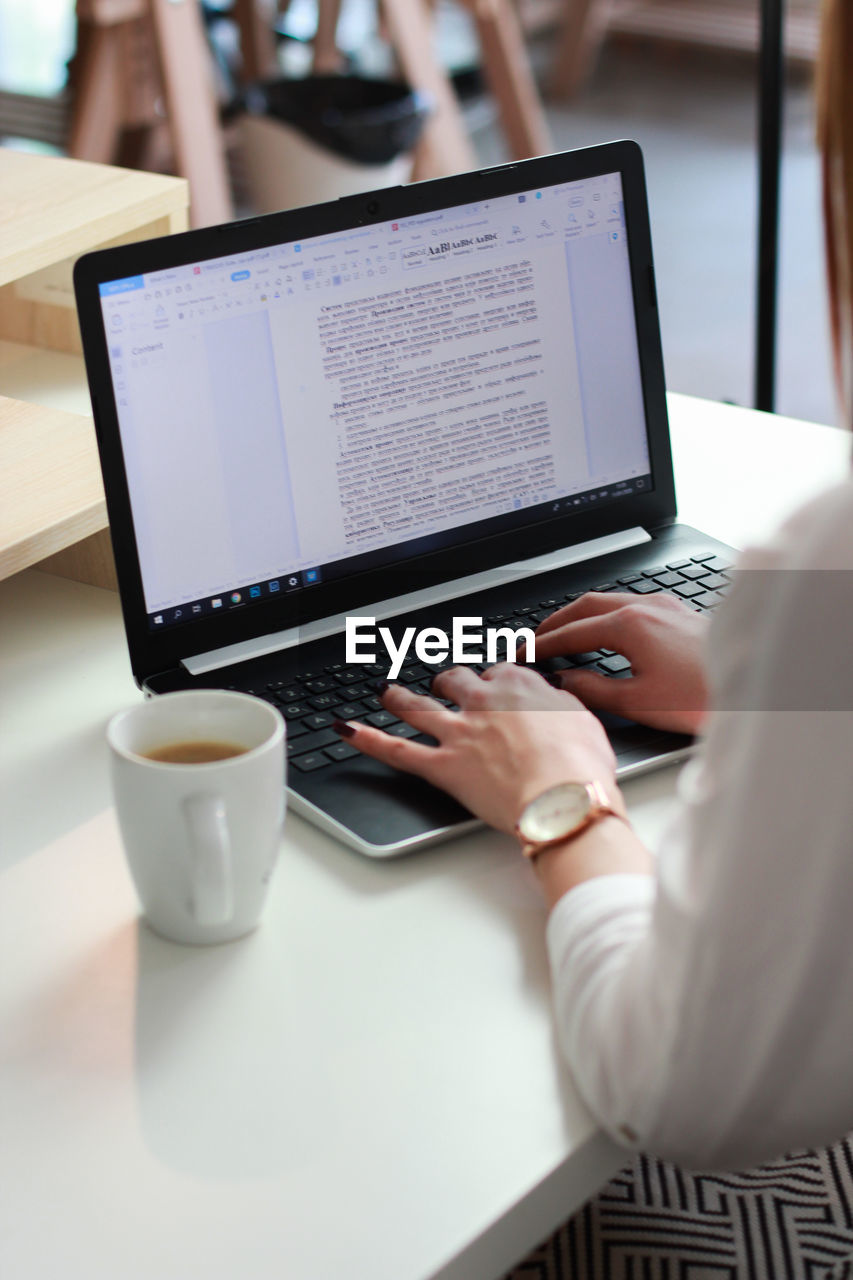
(557, 812)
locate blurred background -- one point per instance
(680, 78)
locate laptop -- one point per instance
(321, 428)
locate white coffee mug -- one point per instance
(201, 838)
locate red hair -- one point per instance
(835, 139)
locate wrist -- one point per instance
(608, 847)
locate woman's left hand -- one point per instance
(512, 738)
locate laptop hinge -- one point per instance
(260, 646)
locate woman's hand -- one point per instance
(512, 738)
(663, 640)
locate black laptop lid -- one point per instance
(309, 411)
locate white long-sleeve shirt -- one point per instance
(707, 1014)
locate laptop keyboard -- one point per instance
(311, 701)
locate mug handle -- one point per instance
(210, 859)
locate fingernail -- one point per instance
(554, 678)
(381, 686)
(345, 729)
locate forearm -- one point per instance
(608, 847)
(612, 1029)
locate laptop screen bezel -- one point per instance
(151, 653)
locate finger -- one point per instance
(457, 684)
(399, 753)
(518, 677)
(510, 671)
(508, 686)
(597, 692)
(582, 636)
(591, 605)
(424, 714)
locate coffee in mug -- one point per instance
(195, 752)
(198, 779)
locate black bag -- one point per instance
(368, 121)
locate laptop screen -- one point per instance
(297, 413)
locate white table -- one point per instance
(365, 1089)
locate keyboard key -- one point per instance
(628, 578)
(687, 590)
(584, 659)
(708, 599)
(605, 586)
(291, 693)
(551, 605)
(341, 751)
(296, 710)
(295, 729)
(333, 668)
(614, 665)
(311, 761)
(549, 665)
(677, 564)
(360, 692)
(312, 742)
(274, 685)
(717, 565)
(714, 582)
(349, 676)
(402, 730)
(325, 701)
(416, 672)
(668, 579)
(693, 571)
(352, 710)
(317, 685)
(654, 571)
(319, 720)
(381, 719)
(644, 588)
(709, 555)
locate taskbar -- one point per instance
(237, 598)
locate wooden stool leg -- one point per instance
(191, 104)
(584, 29)
(327, 58)
(255, 19)
(445, 146)
(510, 79)
(96, 114)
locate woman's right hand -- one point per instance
(663, 640)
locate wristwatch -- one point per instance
(560, 814)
